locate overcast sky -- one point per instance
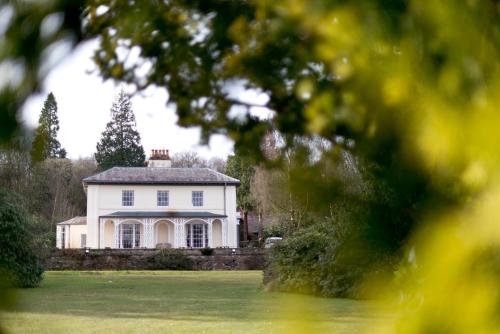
(84, 103)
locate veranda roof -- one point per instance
(163, 214)
(160, 175)
(80, 220)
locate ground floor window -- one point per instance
(63, 237)
(197, 235)
(130, 235)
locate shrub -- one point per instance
(275, 230)
(207, 251)
(318, 260)
(18, 260)
(170, 259)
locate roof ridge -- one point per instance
(222, 174)
(161, 175)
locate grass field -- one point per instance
(179, 302)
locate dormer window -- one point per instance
(162, 198)
(127, 198)
(197, 197)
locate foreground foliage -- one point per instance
(18, 261)
(408, 87)
(313, 261)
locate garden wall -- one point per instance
(143, 259)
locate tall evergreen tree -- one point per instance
(45, 144)
(120, 143)
(240, 167)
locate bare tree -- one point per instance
(217, 164)
(81, 169)
(15, 170)
(188, 159)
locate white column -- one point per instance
(117, 233)
(180, 236)
(148, 233)
(224, 232)
(154, 232)
(210, 243)
(145, 235)
(176, 233)
(101, 233)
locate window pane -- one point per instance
(63, 237)
(188, 235)
(205, 228)
(197, 197)
(137, 235)
(197, 235)
(127, 235)
(127, 198)
(162, 198)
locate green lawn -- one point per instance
(179, 302)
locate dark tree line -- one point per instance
(48, 184)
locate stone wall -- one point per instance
(140, 259)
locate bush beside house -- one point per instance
(18, 260)
(317, 260)
(170, 259)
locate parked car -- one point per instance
(271, 241)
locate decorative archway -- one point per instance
(164, 233)
(109, 234)
(217, 233)
(131, 234)
(197, 233)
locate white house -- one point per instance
(155, 206)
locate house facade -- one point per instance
(159, 207)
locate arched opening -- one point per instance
(164, 234)
(131, 235)
(197, 234)
(109, 234)
(217, 233)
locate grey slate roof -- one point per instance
(160, 175)
(162, 214)
(75, 221)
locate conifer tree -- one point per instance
(240, 167)
(120, 143)
(45, 144)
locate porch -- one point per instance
(124, 229)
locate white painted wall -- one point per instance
(73, 235)
(75, 232)
(110, 198)
(106, 199)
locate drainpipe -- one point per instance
(225, 213)
(98, 232)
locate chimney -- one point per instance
(159, 158)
